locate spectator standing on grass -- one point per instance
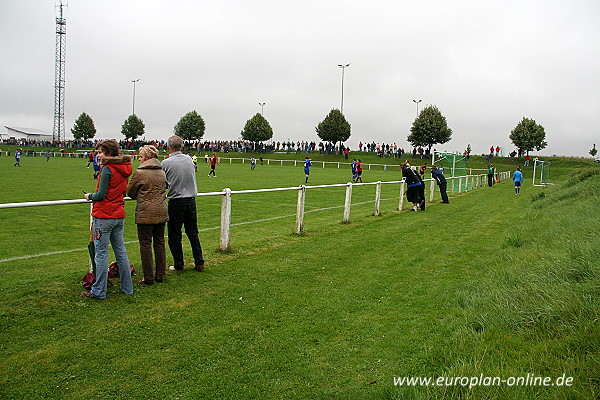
(108, 213)
(518, 179)
(147, 186)
(413, 183)
(490, 175)
(527, 158)
(181, 182)
(440, 179)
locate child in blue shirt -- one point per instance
(518, 178)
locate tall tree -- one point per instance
(84, 127)
(429, 128)
(334, 128)
(190, 126)
(133, 127)
(528, 136)
(257, 129)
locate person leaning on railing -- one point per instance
(413, 183)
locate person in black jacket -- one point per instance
(438, 174)
(413, 183)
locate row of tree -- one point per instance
(428, 129)
(334, 128)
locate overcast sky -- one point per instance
(484, 64)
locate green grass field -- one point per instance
(492, 284)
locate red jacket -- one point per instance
(113, 205)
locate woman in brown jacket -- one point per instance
(147, 186)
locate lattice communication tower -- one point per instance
(59, 74)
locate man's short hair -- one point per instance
(109, 147)
(175, 143)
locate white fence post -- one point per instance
(300, 210)
(453, 183)
(377, 198)
(460, 184)
(347, 203)
(431, 190)
(225, 218)
(401, 202)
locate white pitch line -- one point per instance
(54, 253)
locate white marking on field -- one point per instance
(54, 253)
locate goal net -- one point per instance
(541, 173)
(454, 165)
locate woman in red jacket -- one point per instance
(108, 214)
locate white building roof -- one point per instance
(27, 131)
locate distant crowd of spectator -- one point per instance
(383, 150)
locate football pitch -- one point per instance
(492, 285)
(57, 228)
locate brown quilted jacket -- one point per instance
(147, 186)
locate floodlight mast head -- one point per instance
(343, 67)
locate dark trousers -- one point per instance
(490, 179)
(422, 195)
(442, 187)
(182, 212)
(152, 236)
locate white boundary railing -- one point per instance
(464, 183)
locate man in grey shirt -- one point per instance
(181, 182)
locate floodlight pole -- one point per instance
(134, 82)
(417, 103)
(262, 108)
(343, 67)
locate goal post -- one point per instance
(454, 165)
(541, 172)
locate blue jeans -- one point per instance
(105, 230)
